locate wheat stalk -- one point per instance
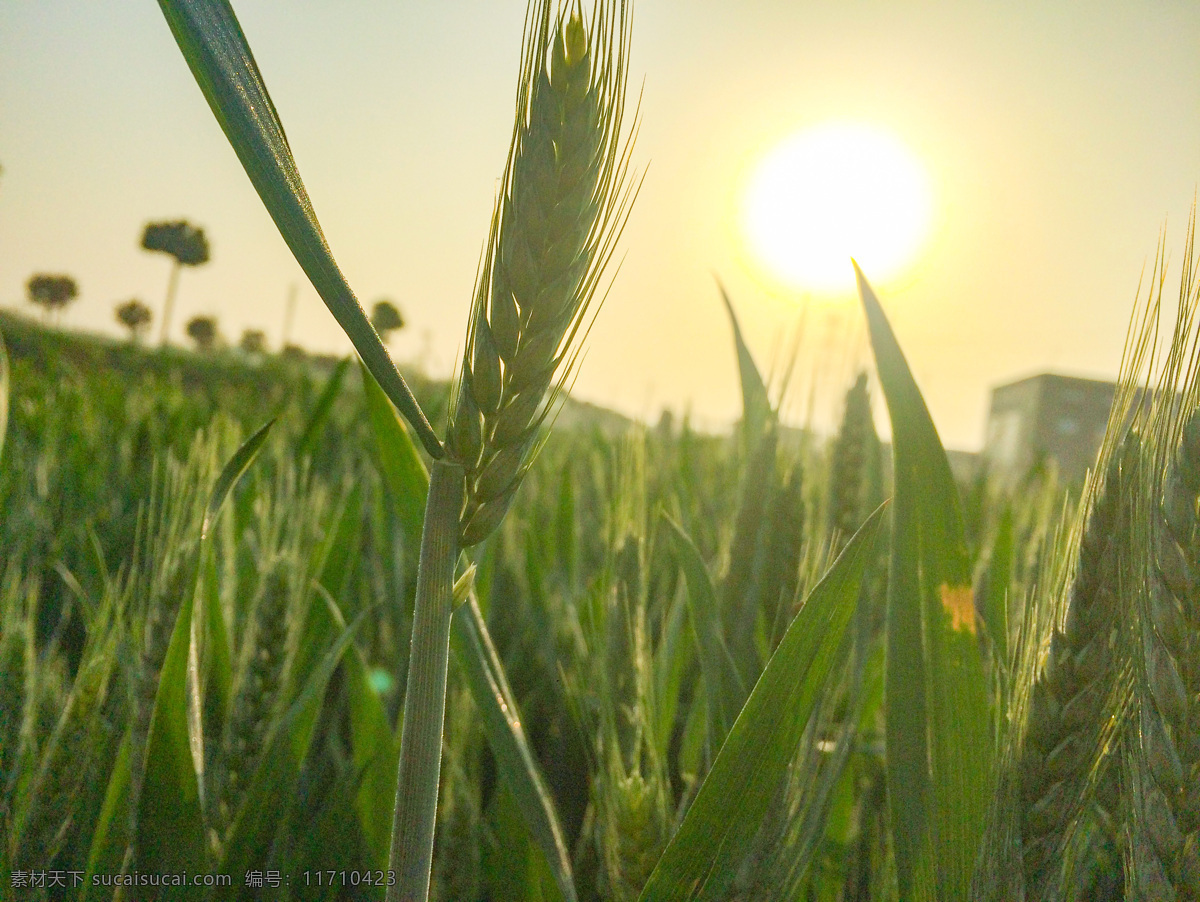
(563, 202)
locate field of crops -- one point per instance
(632, 623)
(275, 628)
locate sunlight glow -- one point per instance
(833, 192)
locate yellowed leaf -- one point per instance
(960, 603)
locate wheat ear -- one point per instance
(848, 466)
(1064, 729)
(632, 825)
(1170, 637)
(784, 550)
(258, 690)
(563, 202)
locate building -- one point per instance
(1047, 418)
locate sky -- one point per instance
(1060, 140)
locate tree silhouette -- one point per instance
(51, 292)
(386, 317)
(254, 341)
(134, 316)
(186, 244)
(203, 331)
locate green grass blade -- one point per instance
(374, 748)
(170, 821)
(206, 632)
(231, 473)
(399, 463)
(475, 653)
(320, 415)
(4, 389)
(111, 835)
(756, 406)
(723, 685)
(341, 558)
(566, 542)
(217, 665)
(513, 868)
(212, 42)
(729, 808)
(939, 736)
(376, 755)
(673, 656)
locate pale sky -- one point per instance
(1059, 139)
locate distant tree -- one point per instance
(386, 318)
(134, 316)
(203, 331)
(254, 341)
(51, 292)
(186, 244)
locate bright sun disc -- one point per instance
(831, 193)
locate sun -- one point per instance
(833, 192)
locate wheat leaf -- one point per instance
(399, 463)
(212, 42)
(756, 406)
(476, 655)
(170, 820)
(728, 810)
(320, 415)
(938, 724)
(111, 834)
(724, 687)
(373, 744)
(231, 473)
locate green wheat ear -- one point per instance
(1170, 634)
(563, 202)
(632, 828)
(258, 689)
(856, 441)
(1065, 724)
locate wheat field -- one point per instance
(293, 631)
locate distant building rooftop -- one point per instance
(1047, 418)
